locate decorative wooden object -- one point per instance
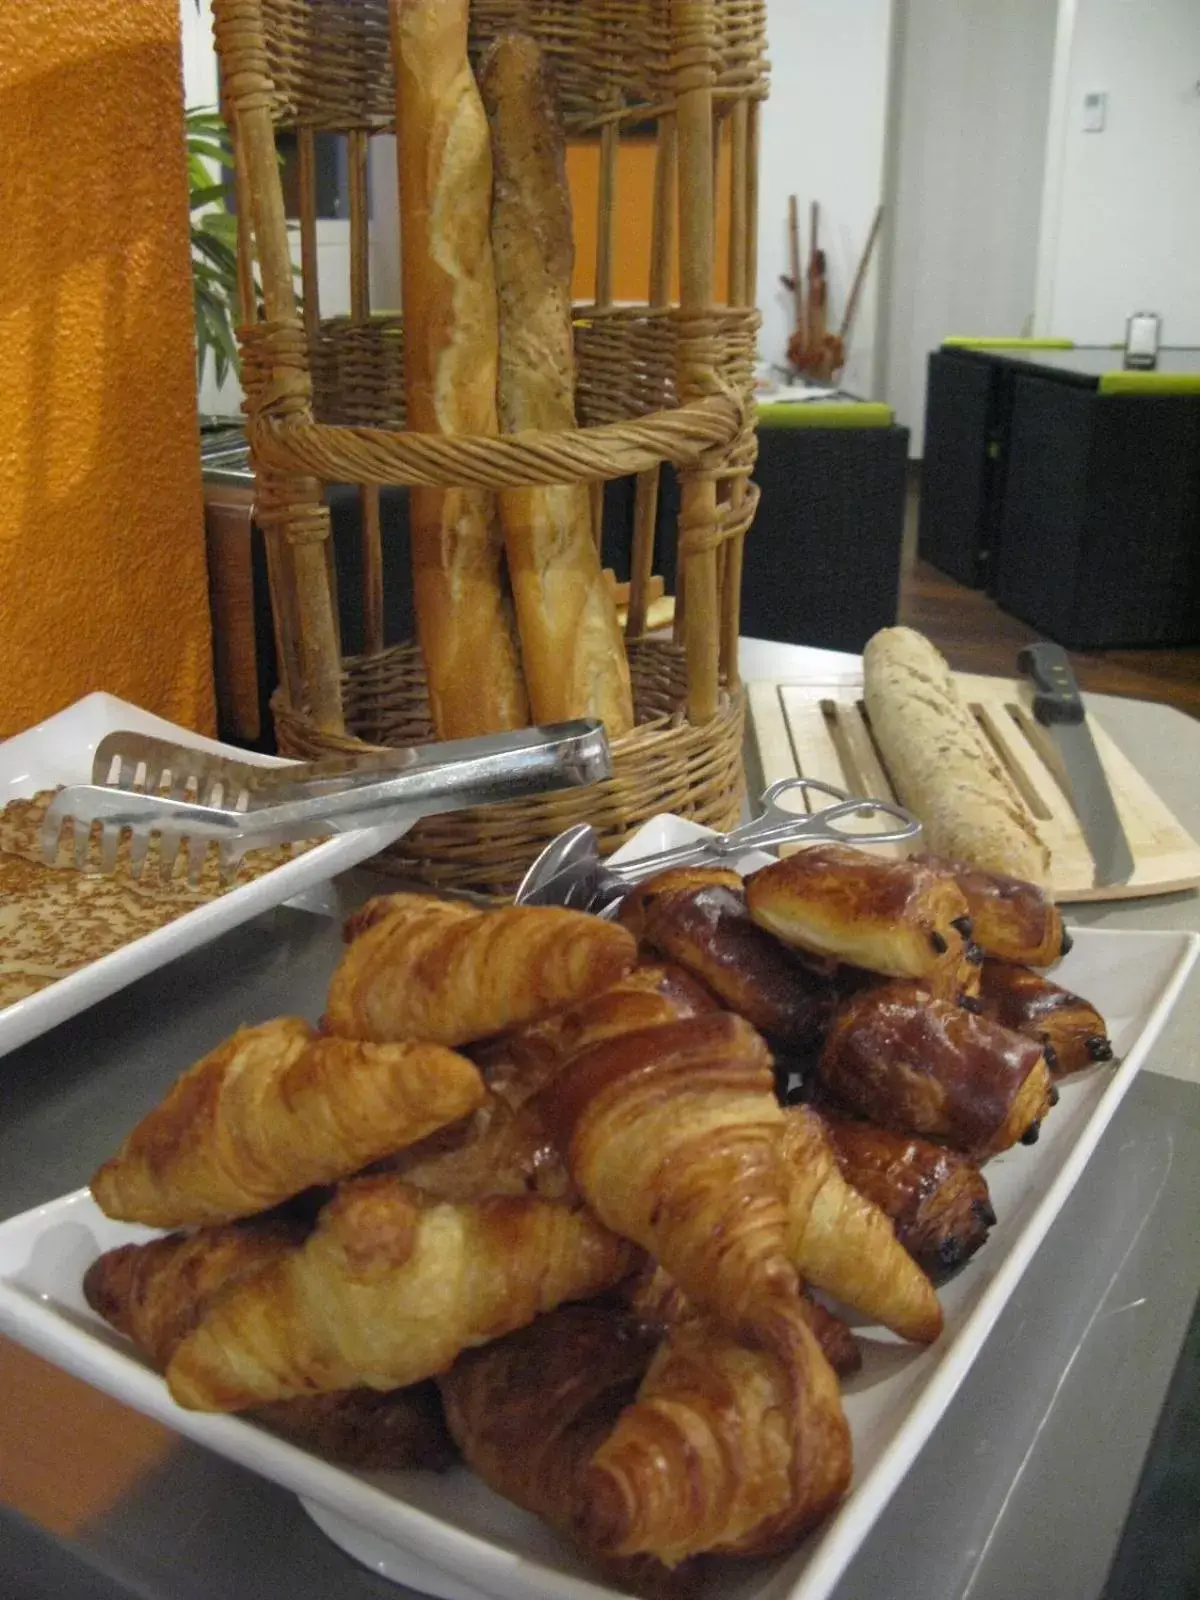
(657, 382)
(821, 731)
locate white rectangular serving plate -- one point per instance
(59, 751)
(449, 1535)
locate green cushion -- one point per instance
(1125, 382)
(825, 414)
(968, 342)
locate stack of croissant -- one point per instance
(556, 1193)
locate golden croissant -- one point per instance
(529, 1411)
(156, 1293)
(387, 1290)
(844, 1244)
(420, 968)
(900, 1058)
(654, 1297)
(496, 1150)
(889, 916)
(272, 1111)
(726, 1449)
(522, 1062)
(503, 1148)
(672, 1136)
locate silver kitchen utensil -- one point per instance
(143, 763)
(1058, 707)
(569, 871)
(227, 803)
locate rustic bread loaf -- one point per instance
(464, 618)
(571, 643)
(942, 766)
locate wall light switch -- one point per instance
(1095, 109)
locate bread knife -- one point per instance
(1057, 705)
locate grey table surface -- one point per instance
(1024, 1487)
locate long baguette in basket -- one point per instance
(571, 643)
(942, 767)
(464, 619)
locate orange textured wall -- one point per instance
(634, 213)
(102, 572)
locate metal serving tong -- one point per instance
(569, 871)
(174, 794)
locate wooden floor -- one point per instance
(974, 635)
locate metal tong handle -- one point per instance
(449, 777)
(775, 826)
(192, 768)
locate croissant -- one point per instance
(496, 1150)
(529, 1411)
(522, 1062)
(1011, 920)
(382, 906)
(386, 1291)
(697, 916)
(654, 1297)
(937, 1200)
(273, 1110)
(724, 1450)
(156, 1293)
(402, 1428)
(420, 968)
(672, 1135)
(843, 1243)
(890, 916)
(906, 1061)
(1072, 1032)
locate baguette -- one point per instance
(464, 619)
(571, 644)
(942, 767)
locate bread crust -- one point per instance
(942, 767)
(571, 644)
(464, 617)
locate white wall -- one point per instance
(822, 138)
(199, 58)
(971, 95)
(200, 89)
(333, 237)
(1121, 224)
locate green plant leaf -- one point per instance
(208, 121)
(214, 231)
(214, 335)
(222, 225)
(216, 251)
(209, 194)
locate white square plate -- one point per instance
(447, 1535)
(60, 750)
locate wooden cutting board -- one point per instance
(817, 730)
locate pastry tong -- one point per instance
(569, 871)
(147, 789)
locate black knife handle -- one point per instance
(1056, 697)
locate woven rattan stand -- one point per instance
(658, 382)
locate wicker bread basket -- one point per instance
(658, 382)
